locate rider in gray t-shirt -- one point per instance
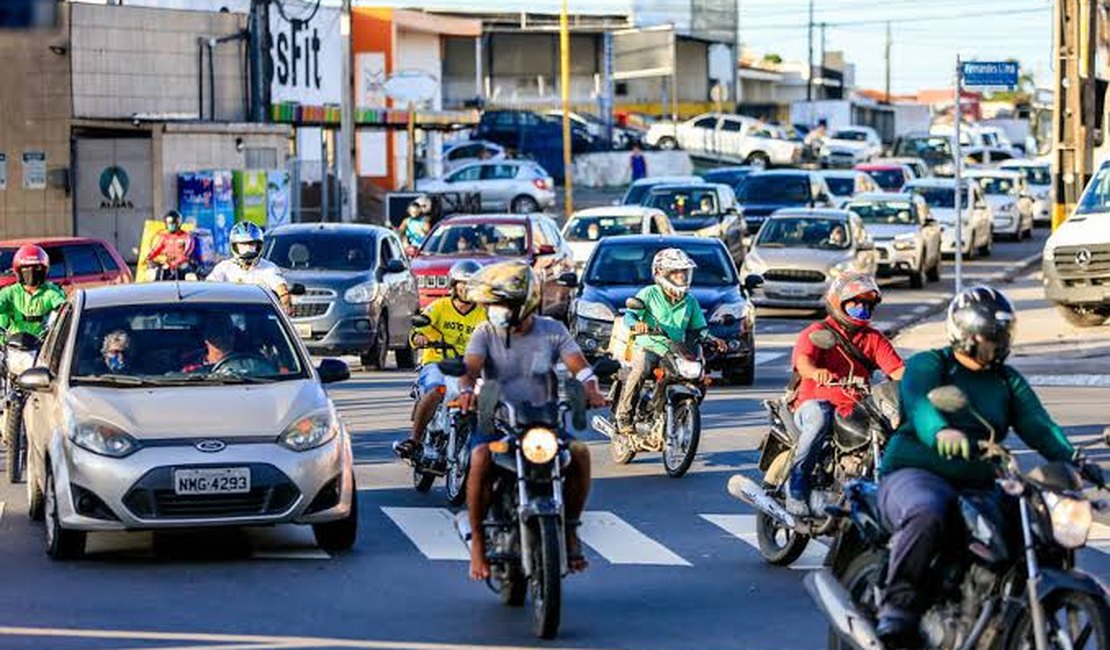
(525, 366)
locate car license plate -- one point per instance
(304, 330)
(224, 480)
(788, 290)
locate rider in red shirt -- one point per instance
(175, 244)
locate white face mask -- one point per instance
(499, 315)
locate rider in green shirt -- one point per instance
(26, 305)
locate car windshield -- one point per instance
(840, 185)
(1035, 175)
(508, 239)
(630, 264)
(184, 342)
(1096, 198)
(855, 136)
(995, 184)
(592, 228)
(773, 188)
(884, 212)
(636, 193)
(681, 203)
(804, 232)
(929, 148)
(321, 251)
(888, 179)
(936, 197)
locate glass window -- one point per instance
(996, 184)
(321, 251)
(804, 232)
(1034, 174)
(498, 172)
(841, 186)
(936, 197)
(83, 260)
(106, 259)
(884, 212)
(396, 252)
(706, 123)
(1096, 198)
(58, 343)
(888, 179)
(928, 148)
(852, 135)
(592, 228)
(472, 239)
(630, 264)
(57, 263)
(540, 235)
(732, 125)
(471, 173)
(773, 188)
(553, 234)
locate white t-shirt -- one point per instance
(263, 273)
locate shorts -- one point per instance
(429, 379)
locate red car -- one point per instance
(488, 238)
(888, 176)
(82, 262)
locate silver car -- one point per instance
(520, 186)
(216, 417)
(906, 235)
(799, 251)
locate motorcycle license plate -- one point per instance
(304, 330)
(224, 480)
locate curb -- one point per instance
(1019, 268)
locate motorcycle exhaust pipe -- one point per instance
(749, 492)
(840, 611)
(604, 426)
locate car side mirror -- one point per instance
(752, 282)
(395, 266)
(296, 289)
(421, 320)
(865, 245)
(331, 371)
(568, 279)
(36, 379)
(545, 249)
(929, 221)
(634, 303)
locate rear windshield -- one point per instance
(636, 193)
(321, 251)
(928, 148)
(855, 136)
(995, 184)
(593, 228)
(936, 197)
(630, 264)
(772, 188)
(888, 179)
(841, 186)
(685, 202)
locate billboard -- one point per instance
(306, 53)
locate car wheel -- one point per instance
(61, 543)
(524, 205)
(339, 536)
(1078, 316)
(758, 160)
(985, 249)
(667, 143)
(374, 358)
(744, 375)
(406, 358)
(36, 500)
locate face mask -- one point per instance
(115, 361)
(172, 226)
(499, 315)
(32, 276)
(859, 311)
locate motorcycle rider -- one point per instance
(850, 302)
(456, 317)
(247, 265)
(520, 350)
(26, 305)
(931, 458)
(669, 307)
(176, 245)
(414, 229)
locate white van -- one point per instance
(1076, 260)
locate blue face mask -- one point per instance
(115, 362)
(858, 311)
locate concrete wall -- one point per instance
(34, 116)
(129, 60)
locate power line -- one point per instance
(906, 19)
(863, 5)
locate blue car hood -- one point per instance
(614, 295)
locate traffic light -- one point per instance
(28, 14)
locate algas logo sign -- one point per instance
(114, 185)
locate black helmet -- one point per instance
(980, 324)
(172, 220)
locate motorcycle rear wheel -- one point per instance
(547, 579)
(677, 460)
(778, 544)
(14, 443)
(1073, 620)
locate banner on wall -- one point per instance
(3, 171)
(223, 208)
(196, 197)
(250, 196)
(277, 198)
(34, 170)
(306, 54)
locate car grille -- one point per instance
(793, 275)
(310, 309)
(153, 497)
(1082, 264)
(431, 282)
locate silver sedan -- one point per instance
(183, 406)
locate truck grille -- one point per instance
(793, 275)
(153, 497)
(1083, 262)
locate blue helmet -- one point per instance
(246, 241)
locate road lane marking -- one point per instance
(621, 543)
(921, 309)
(1099, 537)
(742, 527)
(767, 357)
(1075, 381)
(431, 530)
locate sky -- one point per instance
(926, 35)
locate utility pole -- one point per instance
(348, 180)
(821, 61)
(958, 159)
(1074, 33)
(564, 82)
(887, 56)
(257, 45)
(809, 76)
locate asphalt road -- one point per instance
(673, 562)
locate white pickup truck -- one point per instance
(726, 136)
(1076, 261)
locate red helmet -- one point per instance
(30, 255)
(851, 286)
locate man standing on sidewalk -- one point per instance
(638, 162)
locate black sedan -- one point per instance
(621, 266)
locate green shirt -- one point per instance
(1002, 397)
(674, 318)
(27, 312)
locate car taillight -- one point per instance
(540, 183)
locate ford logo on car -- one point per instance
(211, 446)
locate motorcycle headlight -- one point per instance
(311, 431)
(361, 293)
(595, 310)
(687, 368)
(734, 309)
(103, 438)
(1071, 519)
(539, 446)
(825, 151)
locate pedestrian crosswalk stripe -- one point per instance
(767, 357)
(432, 530)
(1099, 537)
(620, 543)
(742, 527)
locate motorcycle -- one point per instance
(852, 451)
(18, 355)
(446, 450)
(989, 590)
(667, 414)
(164, 273)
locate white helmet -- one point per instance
(666, 262)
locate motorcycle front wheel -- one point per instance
(1073, 619)
(455, 481)
(547, 579)
(861, 579)
(680, 445)
(13, 442)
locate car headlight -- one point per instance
(753, 265)
(1071, 519)
(361, 293)
(904, 243)
(687, 368)
(539, 446)
(595, 310)
(732, 309)
(1049, 254)
(103, 438)
(944, 169)
(311, 431)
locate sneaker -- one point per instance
(796, 507)
(405, 448)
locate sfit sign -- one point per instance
(306, 56)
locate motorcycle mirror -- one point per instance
(421, 320)
(488, 399)
(634, 303)
(823, 339)
(948, 399)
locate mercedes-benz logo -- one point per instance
(211, 446)
(1083, 258)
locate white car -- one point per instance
(850, 146)
(217, 418)
(586, 228)
(726, 136)
(1038, 178)
(978, 223)
(520, 186)
(847, 183)
(1011, 205)
(469, 151)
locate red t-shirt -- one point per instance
(869, 342)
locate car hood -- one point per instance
(1081, 229)
(710, 298)
(799, 258)
(581, 250)
(883, 231)
(441, 264)
(198, 411)
(328, 279)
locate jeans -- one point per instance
(916, 504)
(814, 419)
(643, 362)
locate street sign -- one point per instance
(410, 86)
(989, 74)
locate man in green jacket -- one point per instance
(26, 305)
(934, 455)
